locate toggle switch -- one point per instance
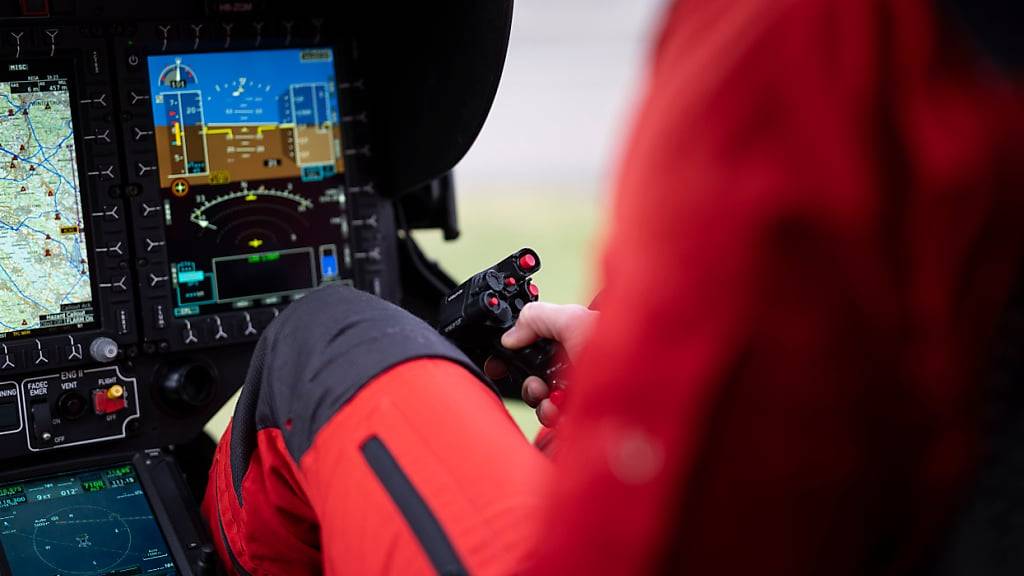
(109, 400)
(42, 424)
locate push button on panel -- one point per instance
(117, 284)
(94, 62)
(122, 320)
(10, 358)
(141, 134)
(39, 355)
(97, 100)
(10, 416)
(190, 333)
(218, 329)
(149, 209)
(133, 60)
(159, 316)
(248, 327)
(99, 136)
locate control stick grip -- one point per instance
(481, 309)
(545, 359)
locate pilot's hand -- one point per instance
(568, 324)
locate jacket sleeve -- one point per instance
(363, 442)
(800, 269)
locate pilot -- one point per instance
(817, 224)
(366, 443)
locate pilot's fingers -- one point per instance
(548, 413)
(534, 390)
(569, 324)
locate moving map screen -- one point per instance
(94, 523)
(249, 149)
(241, 116)
(45, 280)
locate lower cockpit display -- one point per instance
(45, 279)
(94, 523)
(251, 167)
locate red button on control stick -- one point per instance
(557, 398)
(534, 291)
(510, 281)
(527, 262)
(492, 302)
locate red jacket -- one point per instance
(814, 231)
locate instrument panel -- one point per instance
(166, 189)
(245, 142)
(172, 177)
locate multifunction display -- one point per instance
(45, 278)
(250, 161)
(91, 523)
(244, 116)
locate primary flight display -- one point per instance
(228, 117)
(250, 155)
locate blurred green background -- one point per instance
(560, 227)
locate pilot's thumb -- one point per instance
(542, 320)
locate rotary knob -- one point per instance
(103, 349)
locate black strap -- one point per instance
(414, 509)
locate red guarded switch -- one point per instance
(109, 401)
(527, 262)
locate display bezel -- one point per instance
(67, 67)
(104, 464)
(339, 178)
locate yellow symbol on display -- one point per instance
(250, 197)
(255, 242)
(220, 177)
(179, 187)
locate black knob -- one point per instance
(207, 563)
(188, 386)
(72, 405)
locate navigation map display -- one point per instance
(95, 523)
(45, 279)
(228, 116)
(250, 165)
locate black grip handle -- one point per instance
(481, 309)
(545, 359)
